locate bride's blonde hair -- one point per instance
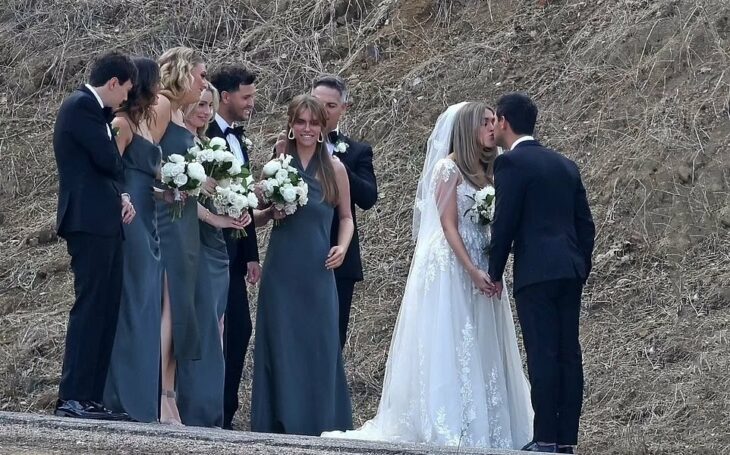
(475, 162)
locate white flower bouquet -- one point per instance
(283, 186)
(234, 200)
(183, 176)
(482, 212)
(219, 163)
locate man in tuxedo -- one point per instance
(357, 157)
(90, 176)
(542, 215)
(238, 94)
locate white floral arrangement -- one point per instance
(247, 143)
(219, 163)
(234, 200)
(183, 176)
(283, 187)
(482, 212)
(341, 146)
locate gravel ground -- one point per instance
(31, 434)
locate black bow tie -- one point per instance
(108, 114)
(333, 136)
(236, 131)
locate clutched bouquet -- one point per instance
(234, 199)
(183, 175)
(282, 186)
(219, 163)
(482, 211)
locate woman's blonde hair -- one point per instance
(475, 162)
(323, 161)
(216, 100)
(176, 67)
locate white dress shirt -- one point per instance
(231, 139)
(522, 139)
(101, 103)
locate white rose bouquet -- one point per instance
(183, 176)
(234, 200)
(482, 212)
(283, 186)
(219, 163)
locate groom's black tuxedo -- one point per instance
(358, 160)
(542, 215)
(89, 218)
(542, 210)
(238, 327)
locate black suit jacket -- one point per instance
(90, 170)
(244, 250)
(358, 160)
(542, 214)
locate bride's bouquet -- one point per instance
(283, 186)
(234, 200)
(482, 212)
(219, 163)
(183, 176)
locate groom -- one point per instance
(237, 97)
(357, 157)
(90, 175)
(542, 215)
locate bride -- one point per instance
(454, 375)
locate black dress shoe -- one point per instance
(119, 416)
(535, 447)
(566, 449)
(81, 410)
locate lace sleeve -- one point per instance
(444, 171)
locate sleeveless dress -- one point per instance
(200, 382)
(299, 383)
(454, 374)
(180, 247)
(132, 384)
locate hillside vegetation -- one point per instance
(635, 91)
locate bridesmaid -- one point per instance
(182, 76)
(299, 384)
(200, 382)
(132, 383)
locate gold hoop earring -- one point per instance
(321, 137)
(291, 134)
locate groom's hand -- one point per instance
(497, 289)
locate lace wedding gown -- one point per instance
(454, 375)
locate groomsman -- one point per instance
(238, 94)
(357, 157)
(89, 206)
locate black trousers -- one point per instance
(236, 337)
(345, 289)
(549, 314)
(96, 262)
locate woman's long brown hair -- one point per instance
(323, 161)
(475, 162)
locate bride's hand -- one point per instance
(481, 280)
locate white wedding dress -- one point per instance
(454, 375)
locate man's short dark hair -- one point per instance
(110, 65)
(229, 78)
(520, 111)
(335, 83)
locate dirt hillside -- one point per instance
(636, 91)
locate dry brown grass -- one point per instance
(635, 91)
